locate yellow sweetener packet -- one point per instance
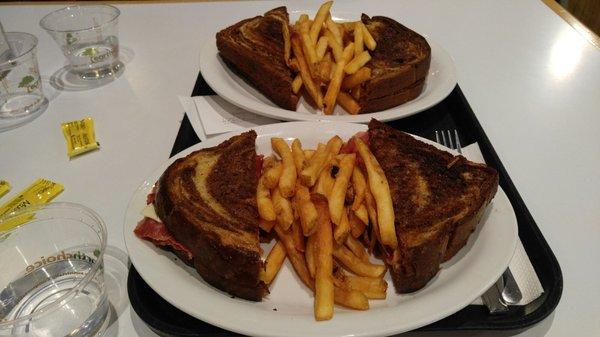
(39, 192)
(80, 136)
(4, 187)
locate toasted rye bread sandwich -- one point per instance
(258, 49)
(398, 65)
(438, 201)
(207, 201)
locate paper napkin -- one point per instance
(520, 265)
(214, 115)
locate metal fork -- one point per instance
(505, 291)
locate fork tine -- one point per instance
(450, 142)
(457, 140)
(444, 138)
(437, 137)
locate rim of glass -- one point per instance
(59, 302)
(117, 13)
(25, 52)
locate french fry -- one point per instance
(368, 38)
(324, 291)
(357, 248)
(334, 145)
(342, 230)
(295, 257)
(294, 64)
(335, 30)
(307, 80)
(348, 103)
(309, 254)
(323, 72)
(325, 182)
(380, 188)
(308, 47)
(264, 202)
(373, 288)
(349, 298)
(334, 88)
(297, 84)
(356, 92)
(266, 225)
(357, 227)
(357, 62)
(287, 179)
(360, 186)
(338, 192)
(298, 237)
(303, 18)
(306, 210)
(360, 76)
(356, 265)
(273, 263)
(336, 47)
(358, 39)
(362, 213)
(315, 165)
(371, 206)
(308, 154)
(349, 25)
(352, 299)
(298, 155)
(272, 174)
(320, 17)
(348, 53)
(321, 47)
(283, 209)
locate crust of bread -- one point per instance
(409, 93)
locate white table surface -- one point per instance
(533, 82)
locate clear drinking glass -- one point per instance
(88, 36)
(20, 84)
(52, 279)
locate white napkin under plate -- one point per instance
(211, 115)
(520, 265)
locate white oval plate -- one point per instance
(460, 281)
(439, 83)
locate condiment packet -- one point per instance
(39, 192)
(4, 187)
(80, 136)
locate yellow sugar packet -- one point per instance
(80, 136)
(39, 192)
(4, 187)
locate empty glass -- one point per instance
(21, 93)
(52, 279)
(88, 36)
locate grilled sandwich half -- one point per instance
(399, 65)
(438, 201)
(259, 49)
(207, 201)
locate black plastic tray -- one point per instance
(453, 112)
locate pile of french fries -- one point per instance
(320, 203)
(330, 58)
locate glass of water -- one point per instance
(21, 95)
(88, 36)
(52, 279)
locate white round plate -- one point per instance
(439, 83)
(288, 309)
